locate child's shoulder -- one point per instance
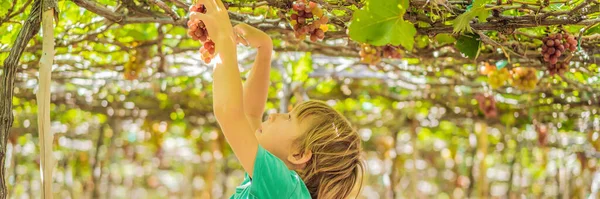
(272, 179)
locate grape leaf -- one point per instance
(444, 38)
(469, 45)
(593, 30)
(462, 22)
(381, 22)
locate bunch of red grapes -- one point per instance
(391, 52)
(197, 30)
(308, 18)
(554, 46)
(542, 131)
(372, 55)
(487, 105)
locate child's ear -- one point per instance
(300, 159)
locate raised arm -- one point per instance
(228, 103)
(256, 88)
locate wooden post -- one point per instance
(482, 146)
(46, 138)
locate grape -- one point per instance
(320, 33)
(313, 38)
(312, 5)
(553, 60)
(324, 27)
(308, 18)
(561, 48)
(301, 20)
(197, 30)
(557, 53)
(296, 7)
(324, 19)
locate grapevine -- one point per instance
(197, 30)
(308, 18)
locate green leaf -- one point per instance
(469, 45)
(444, 38)
(5, 4)
(423, 41)
(593, 30)
(462, 23)
(381, 22)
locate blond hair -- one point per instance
(336, 166)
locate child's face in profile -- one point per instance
(278, 133)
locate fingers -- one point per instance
(240, 39)
(240, 29)
(240, 32)
(199, 16)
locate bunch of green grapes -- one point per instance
(498, 78)
(524, 78)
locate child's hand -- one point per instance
(216, 20)
(251, 36)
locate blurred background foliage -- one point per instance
(432, 123)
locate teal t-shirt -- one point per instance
(271, 179)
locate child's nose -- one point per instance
(271, 117)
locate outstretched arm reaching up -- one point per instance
(228, 103)
(256, 88)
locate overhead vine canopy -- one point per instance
(389, 65)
